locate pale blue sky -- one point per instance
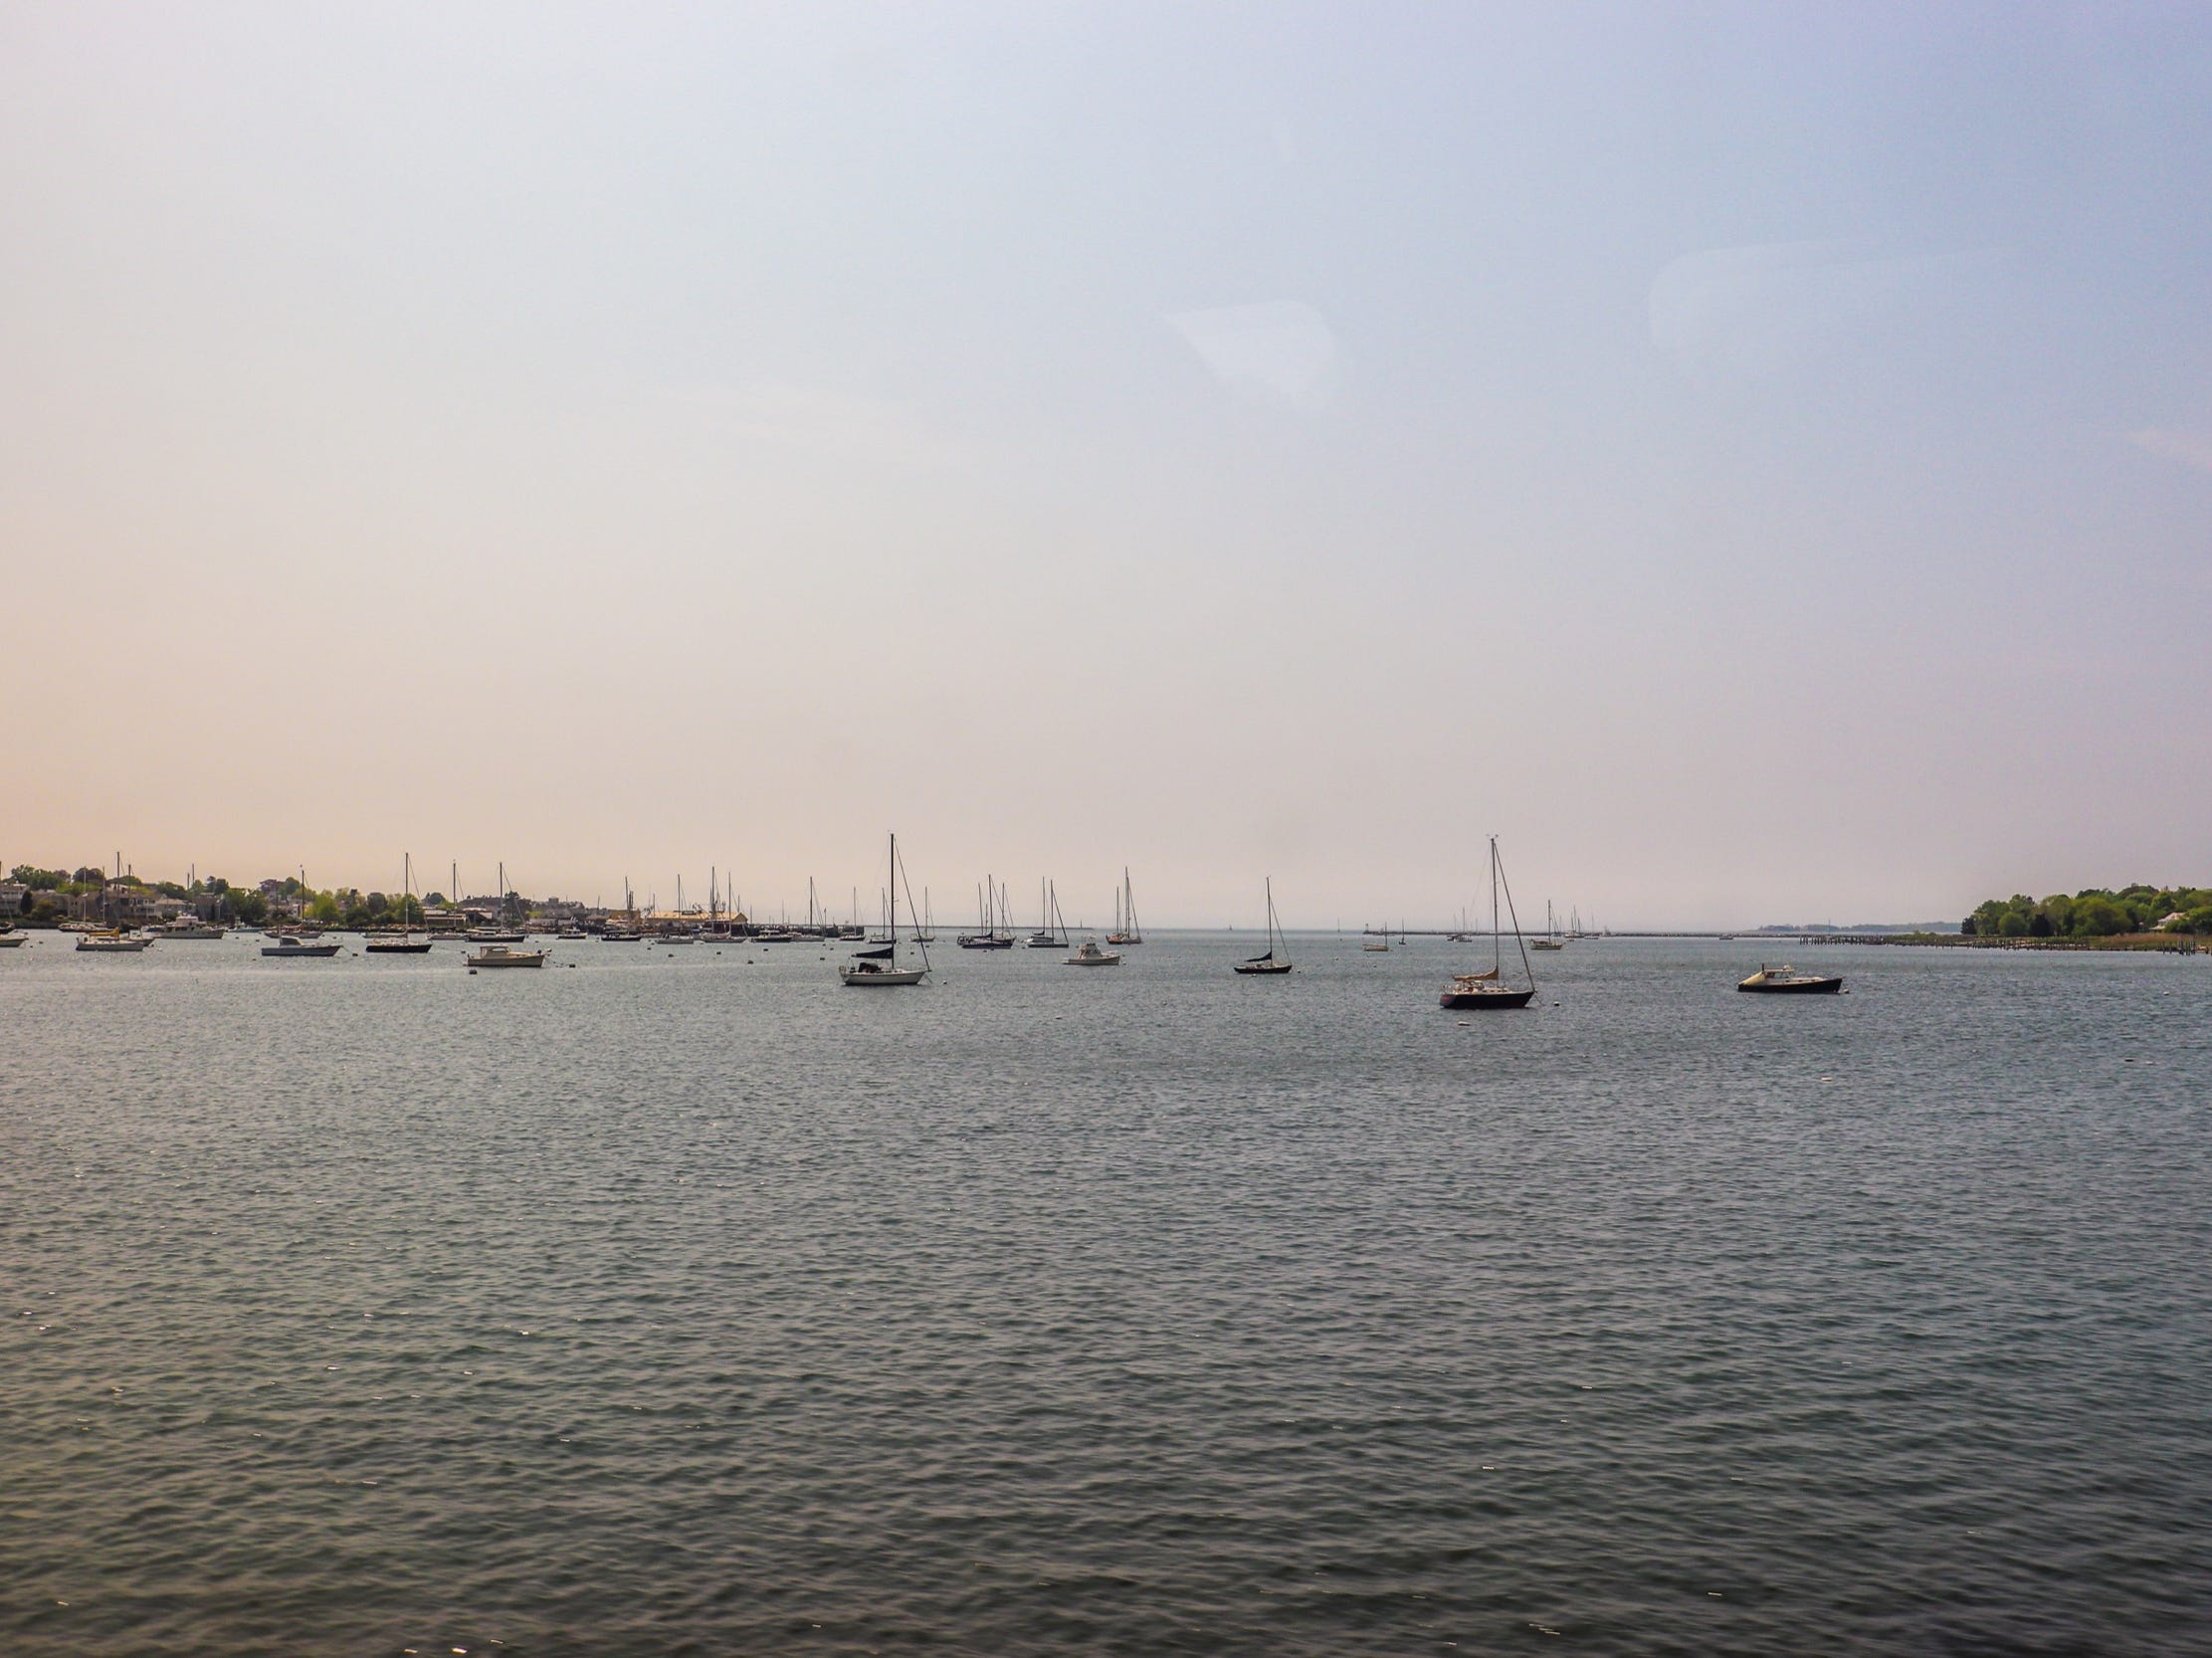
(1756, 458)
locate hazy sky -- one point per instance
(1757, 459)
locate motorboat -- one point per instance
(115, 944)
(288, 949)
(11, 940)
(192, 930)
(499, 956)
(1788, 981)
(1089, 955)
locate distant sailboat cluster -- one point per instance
(896, 957)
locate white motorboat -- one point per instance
(288, 949)
(1089, 955)
(499, 956)
(113, 943)
(192, 930)
(1788, 981)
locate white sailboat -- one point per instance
(1278, 958)
(879, 968)
(1126, 930)
(1551, 938)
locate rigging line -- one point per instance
(920, 944)
(1518, 940)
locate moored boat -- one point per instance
(500, 955)
(1488, 991)
(1089, 955)
(288, 949)
(1788, 981)
(1278, 958)
(113, 943)
(878, 968)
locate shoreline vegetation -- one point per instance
(2172, 919)
(2139, 917)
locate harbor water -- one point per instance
(682, 1301)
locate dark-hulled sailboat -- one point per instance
(1486, 991)
(1278, 958)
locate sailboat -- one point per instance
(986, 935)
(1551, 938)
(1488, 990)
(1044, 938)
(879, 968)
(1277, 958)
(501, 932)
(1126, 929)
(926, 932)
(1379, 945)
(403, 944)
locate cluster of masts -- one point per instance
(879, 964)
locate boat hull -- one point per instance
(397, 947)
(512, 958)
(320, 953)
(889, 979)
(1486, 1000)
(986, 944)
(1794, 987)
(1257, 969)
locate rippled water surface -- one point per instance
(689, 1303)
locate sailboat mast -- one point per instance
(1497, 947)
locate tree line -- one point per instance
(2093, 912)
(347, 907)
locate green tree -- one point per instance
(2099, 917)
(2013, 925)
(325, 909)
(2039, 925)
